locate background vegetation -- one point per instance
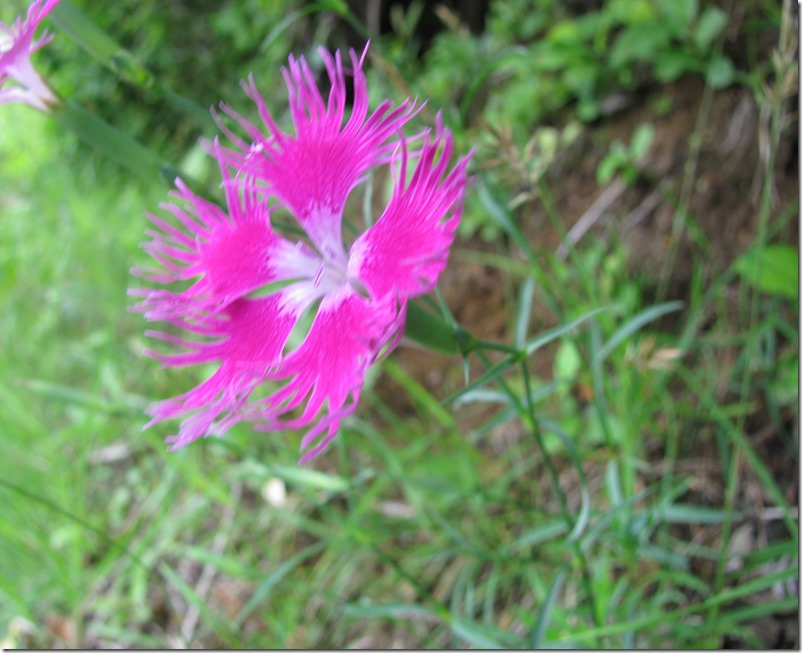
(633, 482)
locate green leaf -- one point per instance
(120, 61)
(553, 334)
(773, 269)
(265, 588)
(710, 24)
(678, 513)
(310, 478)
(635, 324)
(672, 64)
(400, 611)
(435, 333)
(541, 534)
(720, 72)
(641, 141)
(477, 635)
(679, 14)
(567, 362)
(614, 161)
(639, 42)
(524, 310)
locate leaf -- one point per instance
(678, 513)
(675, 63)
(635, 324)
(679, 14)
(710, 24)
(639, 42)
(567, 362)
(773, 269)
(276, 577)
(720, 73)
(310, 478)
(641, 141)
(401, 611)
(524, 310)
(553, 334)
(543, 619)
(477, 635)
(435, 333)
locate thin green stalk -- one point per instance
(558, 223)
(527, 414)
(688, 181)
(730, 493)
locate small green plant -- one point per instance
(626, 160)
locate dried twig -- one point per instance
(591, 216)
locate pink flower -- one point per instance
(16, 46)
(248, 289)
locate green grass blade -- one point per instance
(546, 610)
(636, 324)
(557, 332)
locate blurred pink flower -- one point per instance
(16, 46)
(250, 287)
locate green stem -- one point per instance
(527, 414)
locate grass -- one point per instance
(603, 482)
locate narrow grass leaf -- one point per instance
(435, 333)
(772, 269)
(524, 312)
(710, 405)
(503, 217)
(188, 593)
(581, 520)
(544, 616)
(493, 372)
(687, 514)
(490, 595)
(419, 394)
(541, 534)
(636, 324)
(557, 332)
(484, 395)
(400, 611)
(264, 589)
(309, 478)
(226, 564)
(762, 609)
(477, 635)
(133, 405)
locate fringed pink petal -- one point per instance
(227, 253)
(407, 248)
(252, 339)
(15, 59)
(328, 368)
(313, 171)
